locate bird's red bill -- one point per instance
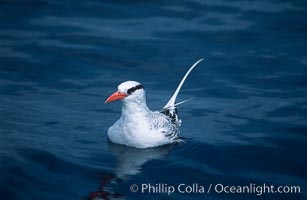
(116, 96)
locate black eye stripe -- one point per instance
(131, 90)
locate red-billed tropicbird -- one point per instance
(140, 127)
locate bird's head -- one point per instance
(129, 91)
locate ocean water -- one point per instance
(246, 123)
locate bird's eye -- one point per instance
(131, 90)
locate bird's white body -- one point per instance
(140, 127)
(141, 131)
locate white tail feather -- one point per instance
(176, 104)
(171, 103)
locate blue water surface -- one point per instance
(60, 59)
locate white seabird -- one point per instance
(140, 127)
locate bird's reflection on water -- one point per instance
(130, 160)
(129, 163)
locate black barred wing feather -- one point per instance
(165, 124)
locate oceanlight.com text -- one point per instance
(218, 188)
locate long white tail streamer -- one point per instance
(171, 103)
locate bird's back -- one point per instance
(165, 124)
